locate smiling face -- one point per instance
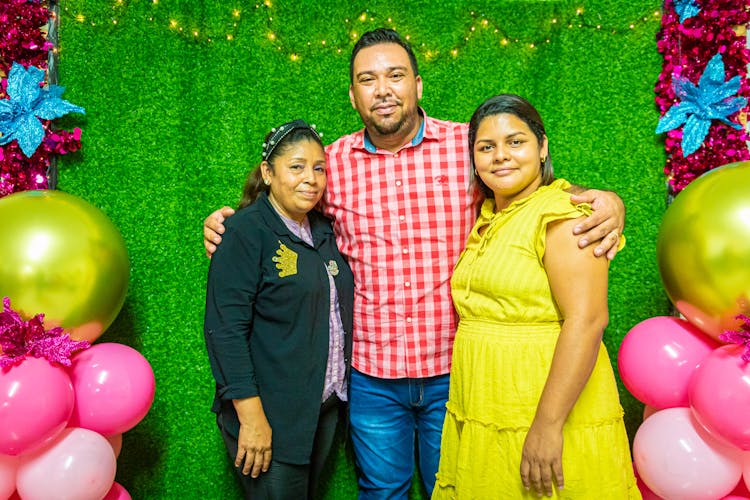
(508, 157)
(297, 178)
(385, 91)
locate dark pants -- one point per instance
(285, 481)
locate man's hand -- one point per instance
(213, 228)
(604, 226)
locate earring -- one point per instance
(544, 160)
(267, 182)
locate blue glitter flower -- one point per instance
(712, 99)
(27, 104)
(686, 9)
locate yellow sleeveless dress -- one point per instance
(508, 328)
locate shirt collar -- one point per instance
(317, 223)
(416, 141)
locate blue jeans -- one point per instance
(384, 416)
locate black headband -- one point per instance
(278, 134)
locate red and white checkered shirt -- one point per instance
(402, 220)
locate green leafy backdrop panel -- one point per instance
(179, 94)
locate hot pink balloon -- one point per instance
(79, 463)
(8, 468)
(36, 400)
(117, 492)
(720, 395)
(657, 358)
(676, 458)
(114, 388)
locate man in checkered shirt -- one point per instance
(401, 196)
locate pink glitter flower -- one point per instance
(741, 336)
(19, 338)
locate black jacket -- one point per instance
(266, 322)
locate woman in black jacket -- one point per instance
(278, 322)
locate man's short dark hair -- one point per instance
(377, 37)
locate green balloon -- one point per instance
(62, 257)
(703, 249)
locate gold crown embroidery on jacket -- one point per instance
(286, 260)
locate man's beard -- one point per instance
(390, 128)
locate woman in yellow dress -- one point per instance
(533, 407)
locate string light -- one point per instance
(488, 25)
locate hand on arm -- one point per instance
(254, 441)
(579, 285)
(605, 225)
(213, 228)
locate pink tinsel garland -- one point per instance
(687, 47)
(23, 40)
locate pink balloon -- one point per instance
(657, 358)
(36, 400)
(646, 493)
(676, 458)
(114, 388)
(720, 395)
(79, 463)
(8, 468)
(117, 492)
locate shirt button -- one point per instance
(405, 251)
(398, 183)
(408, 320)
(395, 155)
(407, 284)
(401, 217)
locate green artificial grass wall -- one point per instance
(179, 94)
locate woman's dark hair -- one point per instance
(521, 108)
(254, 185)
(377, 37)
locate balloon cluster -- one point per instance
(693, 374)
(64, 403)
